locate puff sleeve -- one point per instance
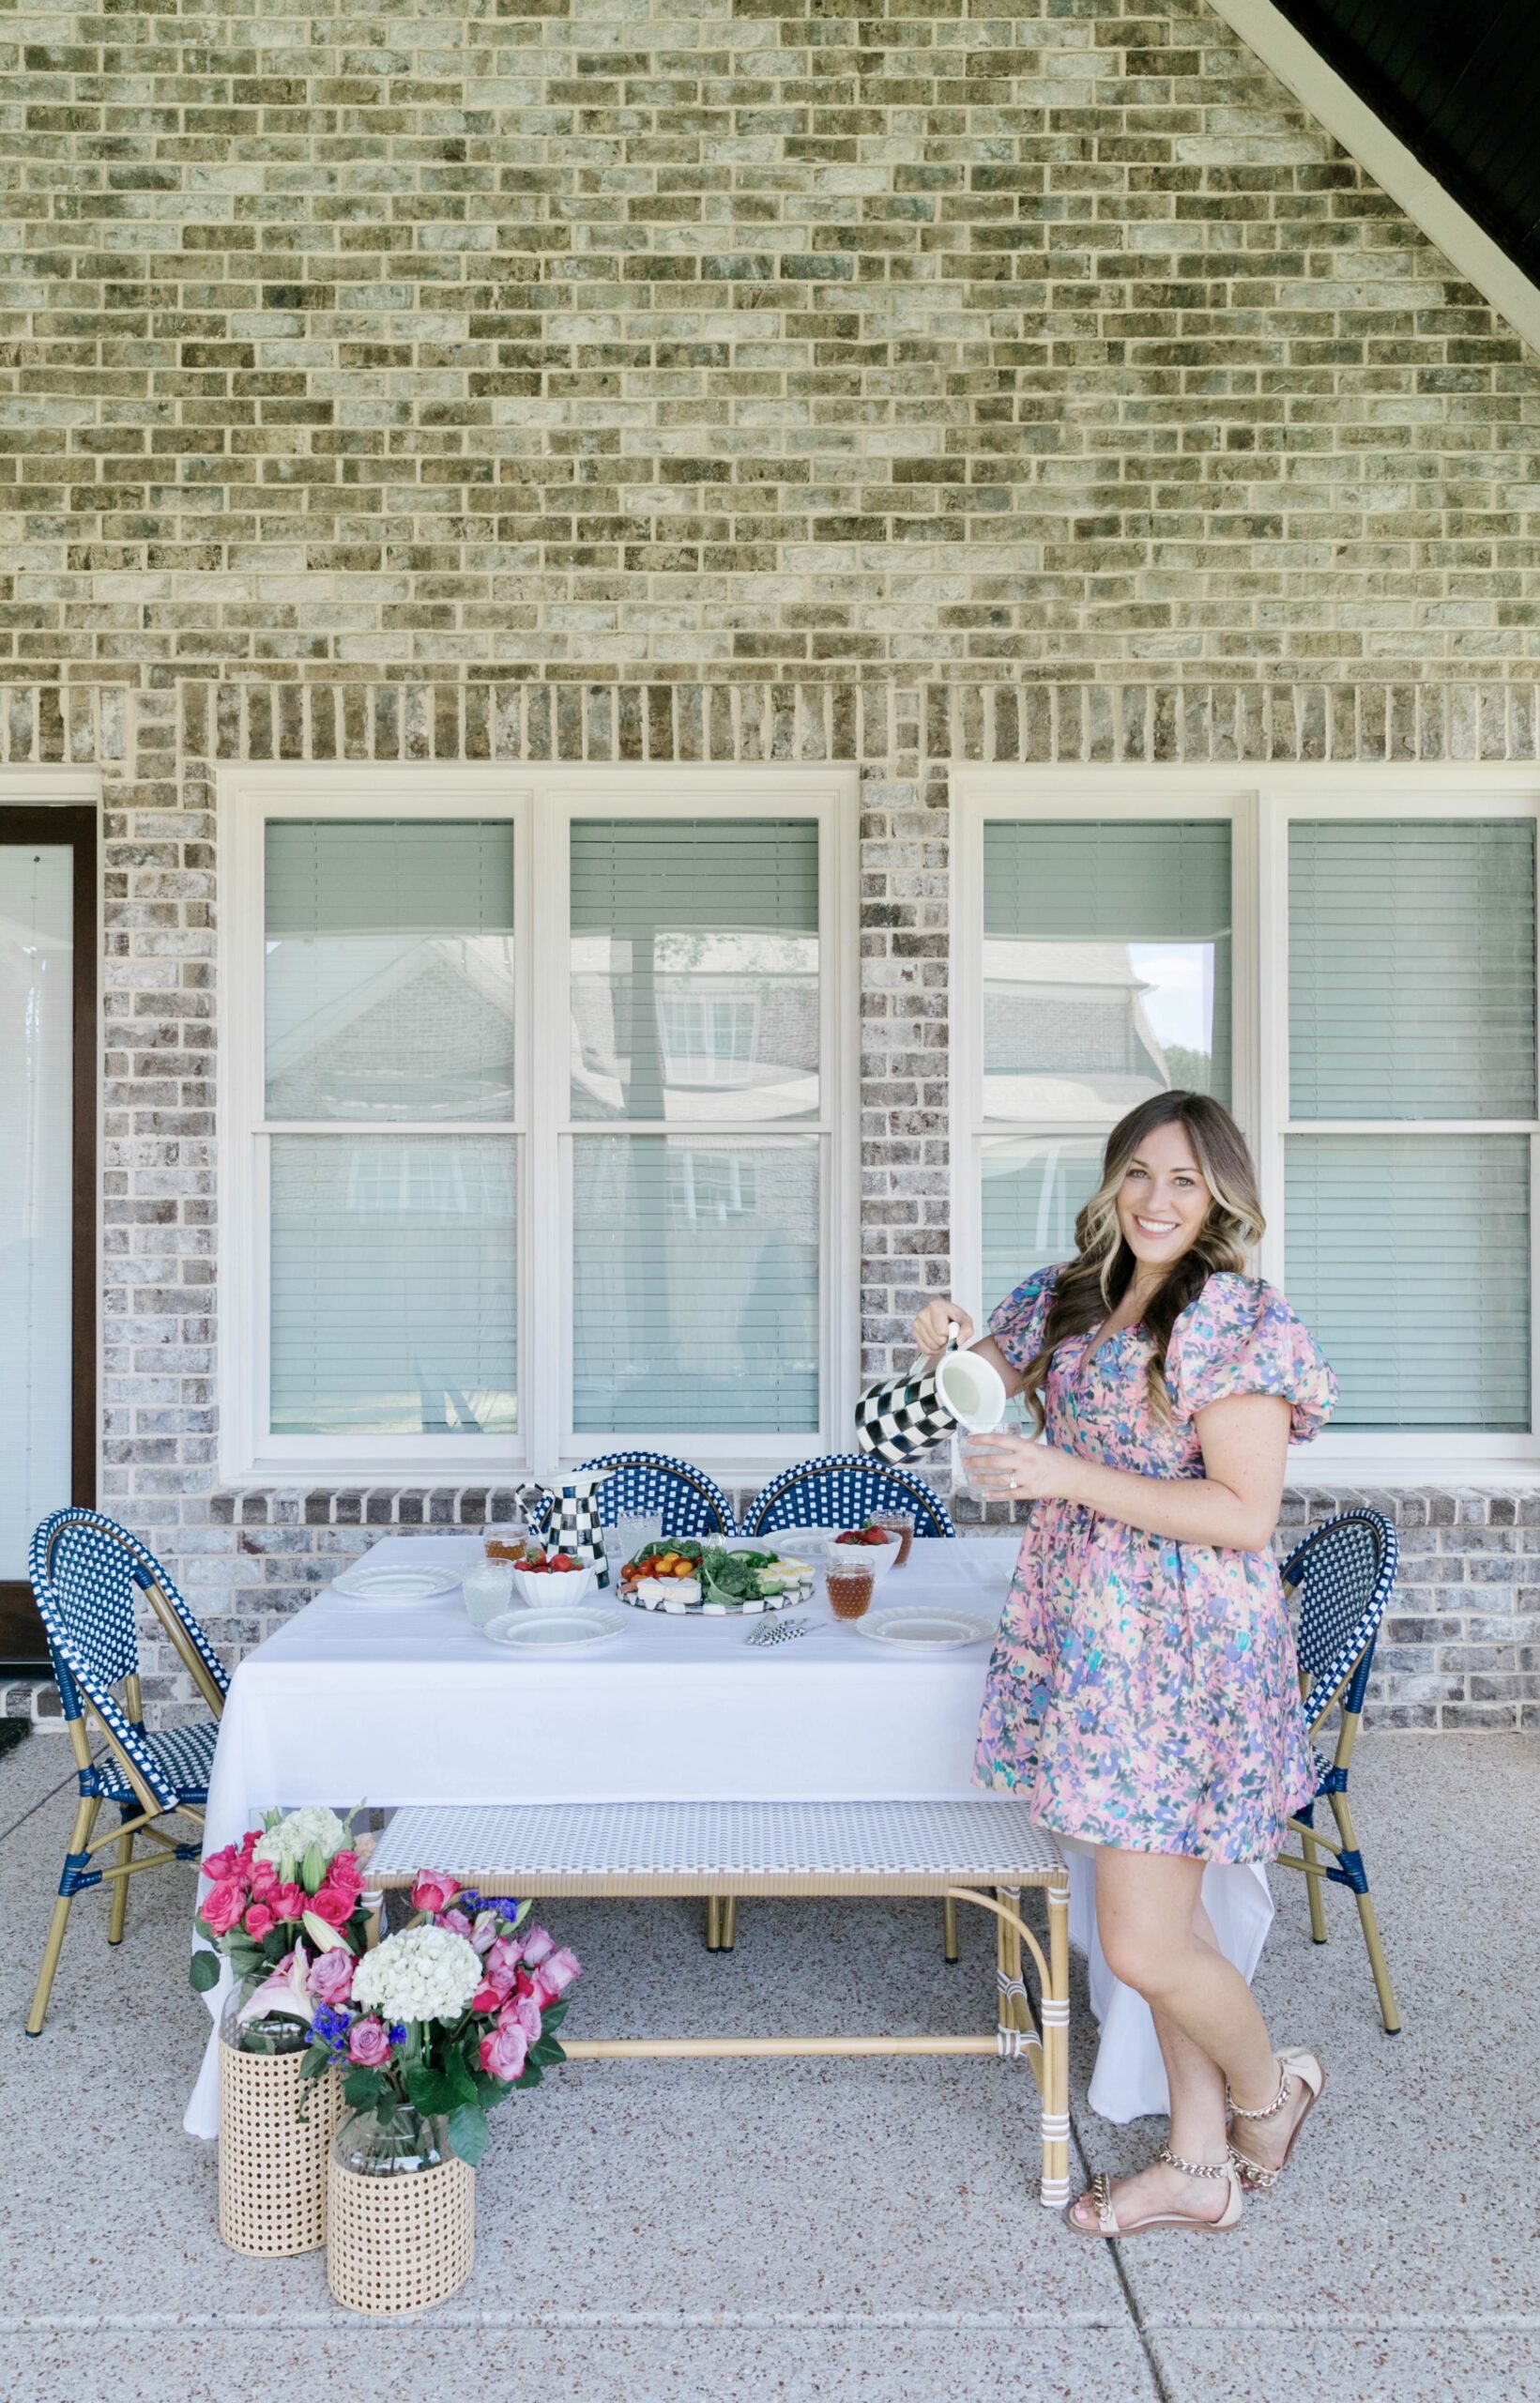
(1018, 1322)
(1241, 1336)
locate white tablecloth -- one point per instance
(351, 1703)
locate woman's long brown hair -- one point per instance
(1095, 1281)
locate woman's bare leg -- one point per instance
(1157, 1939)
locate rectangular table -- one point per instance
(394, 1704)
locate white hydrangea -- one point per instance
(422, 1973)
(287, 1844)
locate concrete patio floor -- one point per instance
(843, 2232)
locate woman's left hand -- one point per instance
(1006, 1464)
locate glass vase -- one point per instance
(391, 2143)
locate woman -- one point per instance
(1143, 1693)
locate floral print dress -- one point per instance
(1144, 1693)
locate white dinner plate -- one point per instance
(925, 1630)
(560, 1626)
(376, 1583)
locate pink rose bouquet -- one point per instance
(285, 1907)
(444, 2019)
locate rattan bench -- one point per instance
(982, 1852)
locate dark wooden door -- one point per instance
(48, 1184)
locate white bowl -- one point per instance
(539, 1587)
(878, 1557)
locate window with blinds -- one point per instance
(390, 1005)
(1107, 976)
(535, 1134)
(697, 995)
(1412, 963)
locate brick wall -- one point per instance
(755, 381)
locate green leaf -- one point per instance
(531, 2075)
(275, 1944)
(489, 2090)
(204, 1972)
(468, 2132)
(315, 2063)
(312, 1868)
(431, 2090)
(362, 2087)
(551, 2020)
(546, 2053)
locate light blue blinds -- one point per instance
(694, 969)
(1409, 1257)
(1411, 955)
(1411, 951)
(393, 1285)
(389, 969)
(696, 1283)
(1107, 965)
(1034, 1188)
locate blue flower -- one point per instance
(331, 2028)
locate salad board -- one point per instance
(715, 1580)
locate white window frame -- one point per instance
(1260, 807)
(540, 803)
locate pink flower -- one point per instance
(368, 2043)
(456, 1922)
(486, 1998)
(343, 1874)
(331, 1977)
(504, 2052)
(289, 1901)
(433, 1890)
(535, 1945)
(484, 1933)
(555, 1976)
(225, 1904)
(502, 1957)
(249, 1844)
(222, 1865)
(524, 2012)
(331, 1905)
(259, 1919)
(264, 1878)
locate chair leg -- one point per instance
(949, 1930)
(713, 1922)
(1055, 2006)
(729, 1921)
(85, 1819)
(119, 1911)
(1312, 1853)
(1390, 2016)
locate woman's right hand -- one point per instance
(933, 1326)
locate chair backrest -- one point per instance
(1343, 1573)
(840, 1489)
(85, 1572)
(650, 1485)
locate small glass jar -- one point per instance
(392, 2142)
(506, 1540)
(849, 1586)
(894, 1523)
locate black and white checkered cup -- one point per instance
(913, 1412)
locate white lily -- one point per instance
(281, 1992)
(324, 1937)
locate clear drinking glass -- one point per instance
(506, 1540)
(849, 1586)
(488, 1589)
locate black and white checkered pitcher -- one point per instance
(911, 1413)
(573, 1526)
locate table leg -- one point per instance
(1056, 2054)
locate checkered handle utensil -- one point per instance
(777, 1631)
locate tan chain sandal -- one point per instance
(1099, 2195)
(1260, 2177)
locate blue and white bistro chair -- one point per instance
(1342, 1575)
(655, 1485)
(840, 1490)
(86, 1574)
